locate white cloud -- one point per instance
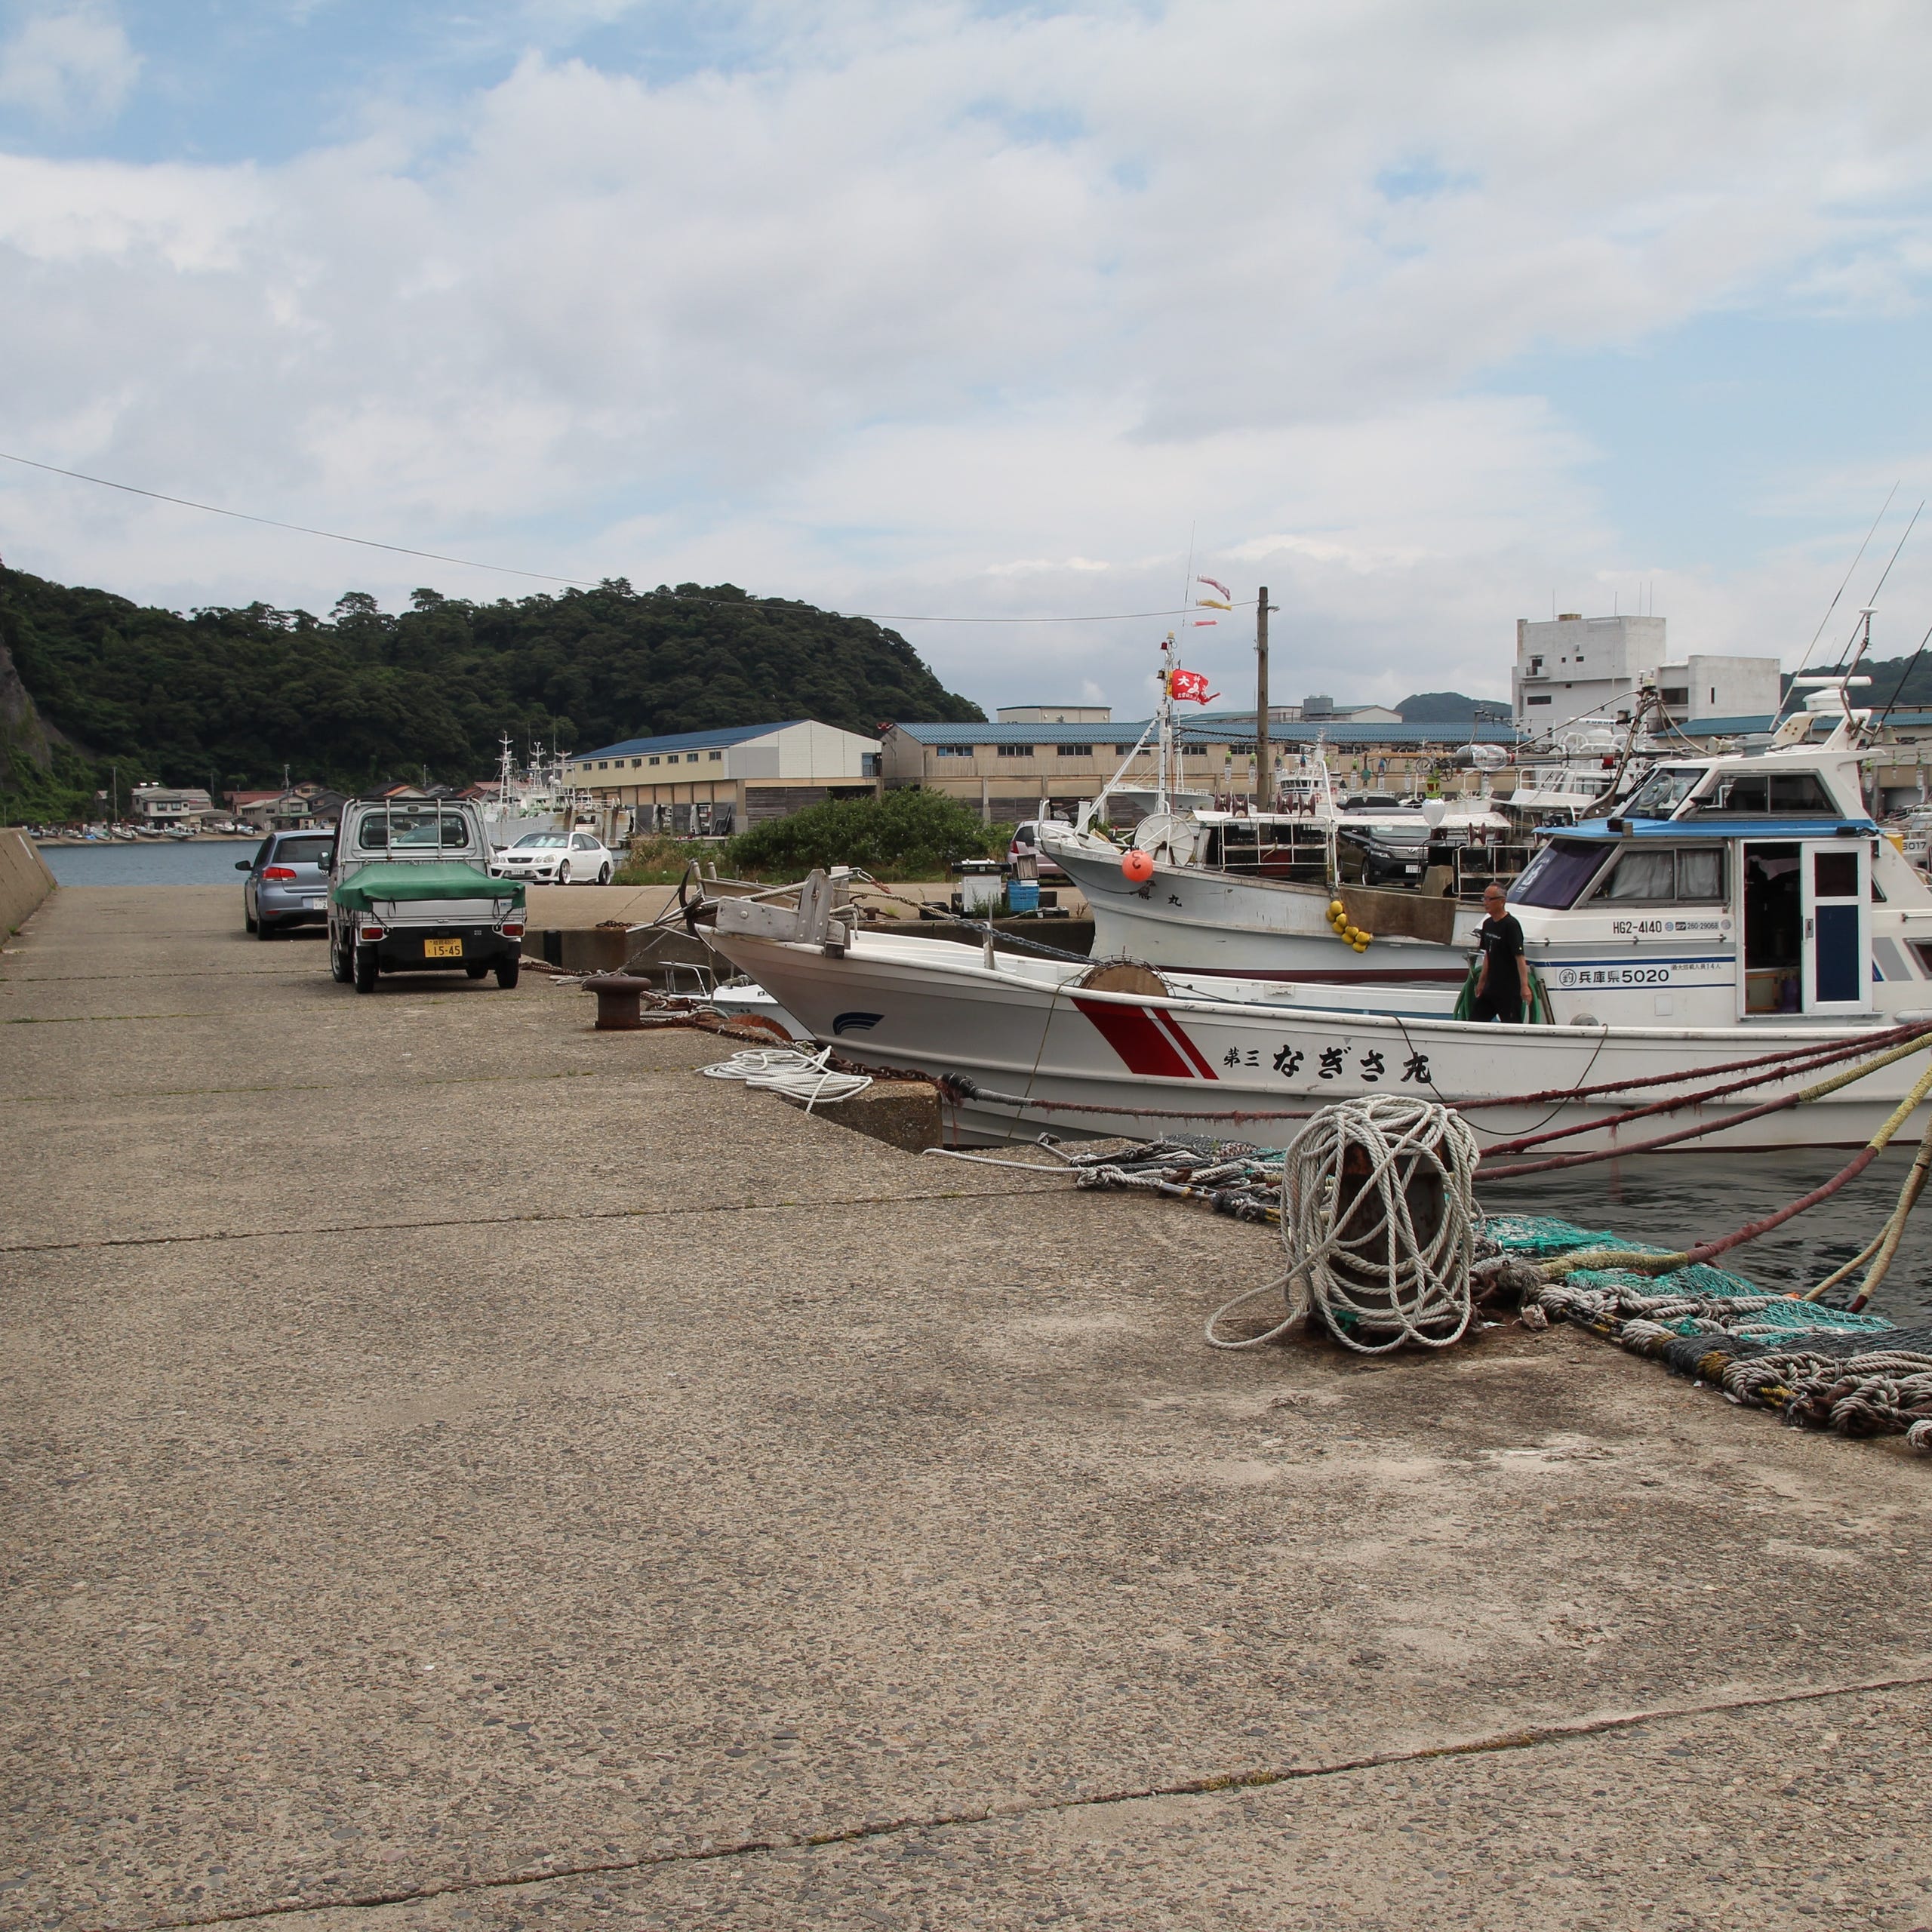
(919, 309)
(69, 63)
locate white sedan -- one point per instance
(557, 858)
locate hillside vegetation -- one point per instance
(1450, 708)
(230, 696)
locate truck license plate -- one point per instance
(442, 949)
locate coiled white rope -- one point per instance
(1378, 1220)
(799, 1076)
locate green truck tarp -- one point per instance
(428, 880)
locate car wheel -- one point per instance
(341, 969)
(247, 917)
(366, 969)
(265, 928)
(506, 973)
(604, 873)
(475, 972)
(564, 873)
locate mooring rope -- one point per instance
(1377, 1222)
(1697, 1132)
(1636, 1261)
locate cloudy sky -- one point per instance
(1429, 317)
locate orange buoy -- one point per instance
(1137, 867)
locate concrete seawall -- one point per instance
(24, 879)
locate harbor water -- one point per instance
(1674, 1200)
(151, 861)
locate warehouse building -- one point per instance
(709, 784)
(1005, 771)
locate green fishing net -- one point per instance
(1540, 1236)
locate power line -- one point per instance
(547, 576)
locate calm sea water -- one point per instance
(1671, 1200)
(150, 862)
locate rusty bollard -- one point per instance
(618, 995)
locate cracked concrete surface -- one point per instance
(789, 1530)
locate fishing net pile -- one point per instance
(1821, 1366)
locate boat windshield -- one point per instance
(1660, 793)
(1559, 875)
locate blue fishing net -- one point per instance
(1542, 1236)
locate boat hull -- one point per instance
(1079, 1062)
(1197, 921)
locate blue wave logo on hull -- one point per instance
(856, 1023)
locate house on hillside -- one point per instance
(708, 784)
(292, 810)
(166, 805)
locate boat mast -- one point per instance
(1164, 718)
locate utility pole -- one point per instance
(1264, 776)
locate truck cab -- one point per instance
(410, 891)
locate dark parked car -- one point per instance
(286, 884)
(1383, 857)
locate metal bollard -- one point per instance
(618, 997)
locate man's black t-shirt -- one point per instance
(1502, 942)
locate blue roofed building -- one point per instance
(1007, 771)
(709, 784)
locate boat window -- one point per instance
(1557, 875)
(1667, 877)
(1662, 791)
(1700, 873)
(1643, 875)
(1782, 793)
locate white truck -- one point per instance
(410, 891)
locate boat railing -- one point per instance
(1478, 867)
(1283, 848)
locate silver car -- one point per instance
(287, 883)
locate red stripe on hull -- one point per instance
(1187, 1046)
(1132, 1033)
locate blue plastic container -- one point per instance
(1022, 895)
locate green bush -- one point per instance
(908, 834)
(656, 859)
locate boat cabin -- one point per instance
(1727, 889)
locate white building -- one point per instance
(1055, 714)
(711, 783)
(1702, 688)
(1574, 667)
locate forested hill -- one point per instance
(1885, 673)
(1450, 708)
(366, 693)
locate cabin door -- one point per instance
(1836, 899)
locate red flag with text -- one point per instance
(1185, 684)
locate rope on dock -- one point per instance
(798, 1076)
(1376, 1224)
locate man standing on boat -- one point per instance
(1503, 992)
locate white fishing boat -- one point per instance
(1250, 894)
(1735, 907)
(539, 797)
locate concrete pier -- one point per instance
(463, 1470)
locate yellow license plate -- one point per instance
(442, 949)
